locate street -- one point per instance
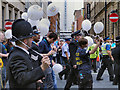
(105, 84)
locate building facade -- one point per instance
(78, 18)
(10, 11)
(100, 12)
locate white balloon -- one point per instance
(33, 22)
(90, 41)
(35, 12)
(86, 25)
(45, 21)
(98, 27)
(57, 68)
(24, 16)
(8, 34)
(52, 10)
(42, 28)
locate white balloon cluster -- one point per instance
(98, 28)
(35, 13)
(52, 10)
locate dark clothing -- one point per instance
(45, 48)
(21, 73)
(84, 67)
(93, 64)
(116, 56)
(72, 77)
(3, 50)
(8, 48)
(106, 63)
(67, 69)
(36, 59)
(85, 82)
(73, 46)
(83, 61)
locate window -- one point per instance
(10, 15)
(15, 16)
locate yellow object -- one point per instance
(103, 47)
(1, 63)
(96, 52)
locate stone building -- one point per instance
(10, 11)
(78, 18)
(97, 14)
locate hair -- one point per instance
(82, 41)
(53, 35)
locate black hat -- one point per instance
(76, 33)
(106, 38)
(117, 39)
(21, 29)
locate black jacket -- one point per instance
(36, 59)
(73, 48)
(116, 56)
(21, 73)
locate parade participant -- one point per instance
(84, 64)
(45, 48)
(65, 58)
(116, 56)
(106, 60)
(94, 56)
(21, 73)
(3, 55)
(73, 46)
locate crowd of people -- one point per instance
(28, 63)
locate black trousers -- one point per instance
(67, 69)
(72, 78)
(93, 64)
(116, 69)
(106, 63)
(86, 83)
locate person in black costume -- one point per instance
(73, 46)
(116, 56)
(20, 70)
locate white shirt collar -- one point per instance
(22, 49)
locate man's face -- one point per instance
(29, 41)
(36, 38)
(52, 40)
(2, 37)
(78, 37)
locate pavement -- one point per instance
(104, 84)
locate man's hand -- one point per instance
(112, 59)
(45, 63)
